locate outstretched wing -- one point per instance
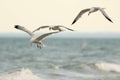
(45, 35)
(42, 27)
(24, 29)
(106, 16)
(67, 28)
(80, 14)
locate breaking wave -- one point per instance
(23, 74)
(110, 67)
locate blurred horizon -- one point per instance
(65, 34)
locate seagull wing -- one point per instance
(106, 16)
(80, 14)
(24, 29)
(67, 28)
(42, 27)
(45, 35)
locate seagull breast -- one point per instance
(94, 9)
(33, 40)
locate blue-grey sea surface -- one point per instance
(62, 58)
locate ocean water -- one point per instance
(61, 59)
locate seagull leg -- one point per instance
(40, 47)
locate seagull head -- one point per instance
(50, 28)
(89, 13)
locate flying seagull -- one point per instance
(56, 27)
(91, 10)
(34, 39)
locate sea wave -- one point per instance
(110, 67)
(23, 74)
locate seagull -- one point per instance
(34, 39)
(56, 27)
(91, 10)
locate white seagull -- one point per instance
(91, 10)
(56, 27)
(34, 39)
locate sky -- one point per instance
(34, 13)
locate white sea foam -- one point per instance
(23, 74)
(110, 67)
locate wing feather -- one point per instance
(42, 27)
(105, 15)
(24, 29)
(45, 35)
(80, 14)
(67, 28)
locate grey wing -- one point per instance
(24, 29)
(80, 14)
(67, 28)
(42, 27)
(45, 35)
(106, 16)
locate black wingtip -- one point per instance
(73, 22)
(111, 21)
(16, 26)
